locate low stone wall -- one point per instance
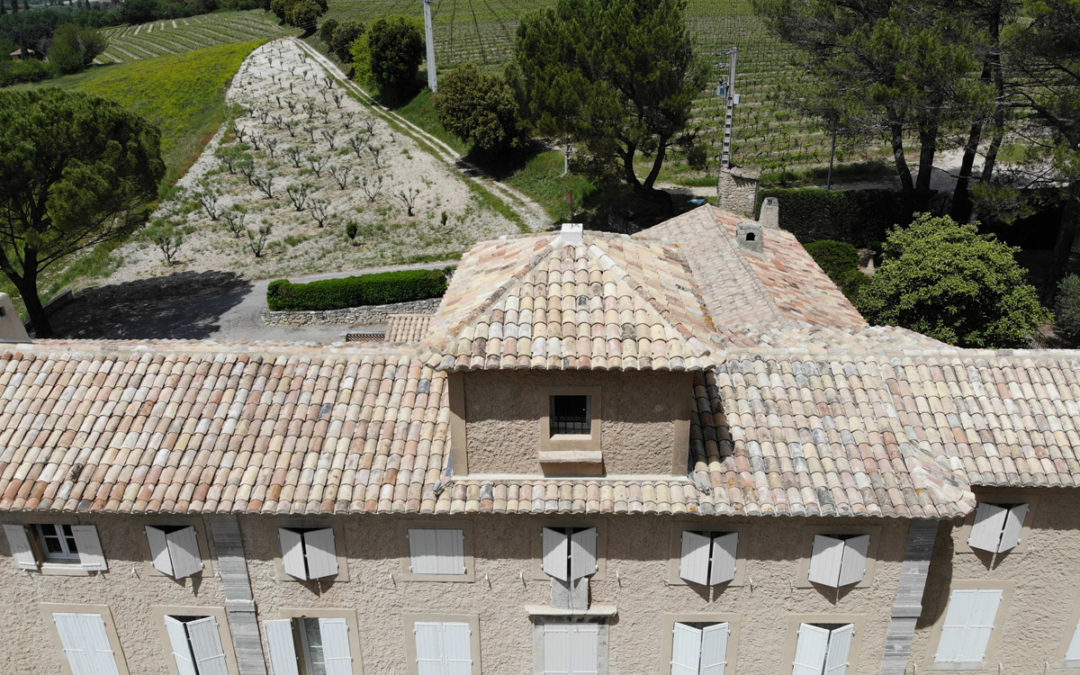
(367, 315)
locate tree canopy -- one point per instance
(479, 109)
(343, 36)
(390, 53)
(945, 280)
(72, 169)
(75, 47)
(618, 75)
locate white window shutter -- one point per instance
(457, 648)
(451, 547)
(335, 644)
(183, 547)
(86, 644)
(1072, 654)
(583, 553)
(839, 652)
(853, 563)
(556, 553)
(811, 649)
(585, 648)
(428, 636)
(292, 553)
(825, 560)
(685, 649)
(206, 646)
(90, 555)
(423, 551)
(1014, 524)
(557, 654)
(159, 550)
(181, 649)
(714, 639)
(724, 560)
(989, 523)
(282, 646)
(321, 553)
(694, 563)
(969, 621)
(19, 543)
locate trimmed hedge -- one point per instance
(840, 260)
(370, 289)
(859, 217)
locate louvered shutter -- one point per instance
(335, 644)
(556, 552)
(181, 649)
(989, 523)
(450, 545)
(1014, 524)
(724, 548)
(90, 555)
(292, 553)
(825, 560)
(19, 543)
(206, 646)
(811, 649)
(714, 639)
(557, 654)
(685, 649)
(853, 563)
(423, 553)
(282, 647)
(969, 621)
(1072, 654)
(585, 648)
(86, 644)
(321, 553)
(583, 553)
(184, 552)
(694, 563)
(839, 652)
(159, 550)
(457, 648)
(428, 635)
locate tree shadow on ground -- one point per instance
(186, 305)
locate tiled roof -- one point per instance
(538, 301)
(407, 328)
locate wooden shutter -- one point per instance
(825, 560)
(714, 639)
(428, 636)
(853, 562)
(159, 550)
(457, 648)
(282, 647)
(811, 649)
(969, 621)
(181, 649)
(583, 553)
(556, 553)
(685, 648)
(90, 555)
(585, 648)
(1014, 524)
(86, 643)
(722, 567)
(450, 545)
(694, 563)
(1072, 654)
(183, 547)
(989, 523)
(292, 553)
(206, 646)
(423, 552)
(19, 543)
(335, 644)
(557, 654)
(321, 553)
(839, 651)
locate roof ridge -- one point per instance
(755, 280)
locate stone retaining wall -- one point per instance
(367, 315)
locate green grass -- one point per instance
(541, 178)
(421, 112)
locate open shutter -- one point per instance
(90, 555)
(585, 648)
(321, 553)
(19, 543)
(181, 649)
(184, 552)
(457, 648)
(279, 640)
(556, 552)
(969, 621)
(450, 545)
(694, 563)
(1014, 523)
(292, 553)
(86, 644)
(159, 550)
(428, 635)
(839, 652)
(335, 644)
(1072, 654)
(206, 646)
(685, 649)
(583, 553)
(557, 656)
(826, 559)
(423, 552)
(853, 563)
(986, 532)
(811, 649)
(714, 639)
(724, 548)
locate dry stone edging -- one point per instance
(349, 316)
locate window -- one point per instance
(838, 560)
(699, 648)
(569, 553)
(86, 643)
(174, 550)
(1072, 654)
(57, 544)
(309, 646)
(196, 645)
(570, 415)
(997, 527)
(308, 553)
(823, 649)
(969, 621)
(436, 551)
(708, 558)
(443, 647)
(571, 648)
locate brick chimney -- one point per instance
(750, 236)
(770, 213)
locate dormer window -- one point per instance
(570, 415)
(570, 431)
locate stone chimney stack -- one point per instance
(572, 233)
(770, 213)
(749, 235)
(11, 327)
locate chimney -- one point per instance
(11, 327)
(749, 235)
(572, 233)
(770, 213)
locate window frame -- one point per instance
(293, 613)
(997, 498)
(406, 555)
(209, 568)
(1072, 627)
(1008, 589)
(552, 444)
(409, 620)
(603, 639)
(742, 561)
(159, 613)
(49, 608)
(536, 550)
(54, 566)
(342, 575)
(668, 622)
(856, 655)
(802, 577)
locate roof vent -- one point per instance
(572, 233)
(11, 327)
(749, 235)
(770, 213)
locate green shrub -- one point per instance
(855, 216)
(369, 289)
(26, 70)
(1067, 310)
(834, 257)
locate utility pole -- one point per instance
(429, 40)
(727, 90)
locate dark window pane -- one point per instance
(570, 415)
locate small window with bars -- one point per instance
(570, 415)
